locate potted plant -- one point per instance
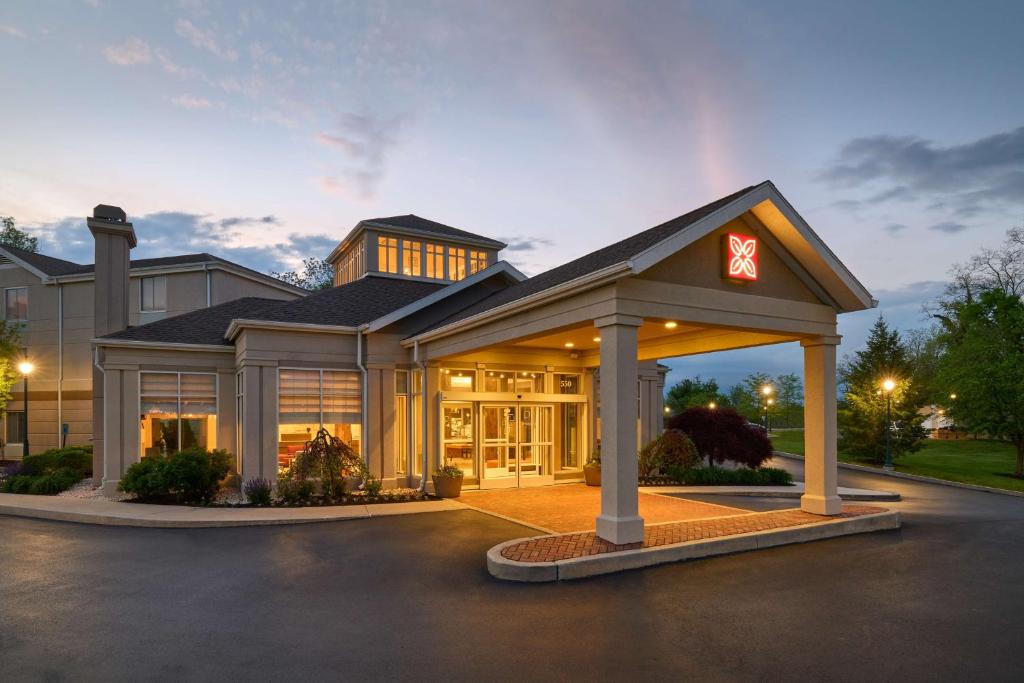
(448, 481)
(592, 470)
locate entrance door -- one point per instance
(516, 445)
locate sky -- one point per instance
(263, 132)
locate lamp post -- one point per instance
(712, 405)
(25, 367)
(766, 391)
(768, 415)
(888, 385)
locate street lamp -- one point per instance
(712, 405)
(25, 367)
(766, 391)
(768, 415)
(888, 385)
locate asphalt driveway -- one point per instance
(409, 598)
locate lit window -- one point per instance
(435, 261)
(457, 380)
(16, 300)
(310, 399)
(456, 263)
(154, 293)
(178, 411)
(477, 261)
(411, 258)
(513, 381)
(568, 384)
(387, 254)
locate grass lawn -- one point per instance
(986, 463)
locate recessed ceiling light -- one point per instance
(671, 325)
(597, 339)
(569, 345)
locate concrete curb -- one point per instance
(608, 563)
(913, 477)
(182, 517)
(770, 492)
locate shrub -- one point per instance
(723, 434)
(673, 450)
(54, 483)
(257, 490)
(448, 472)
(295, 491)
(329, 460)
(76, 458)
(372, 485)
(715, 476)
(189, 476)
(19, 483)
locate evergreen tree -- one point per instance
(862, 412)
(691, 393)
(788, 410)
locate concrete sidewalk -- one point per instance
(794, 491)
(110, 513)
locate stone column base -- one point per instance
(821, 505)
(109, 486)
(620, 530)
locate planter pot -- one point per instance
(592, 474)
(448, 487)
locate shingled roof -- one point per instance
(594, 261)
(349, 305)
(428, 227)
(55, 267)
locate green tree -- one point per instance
(862, 412)
(11, 236)
(11, 351)
(788, 410)
(984, 366)
(316, 274)
(747, 397)
(693, 392)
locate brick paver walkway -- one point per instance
(574, 507)
(567, 546)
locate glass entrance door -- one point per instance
(516, 444)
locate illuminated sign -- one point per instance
(740, 257)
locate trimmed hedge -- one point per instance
(189, 476)
(715, 476)
(50, 472)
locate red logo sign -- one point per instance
(740, 257)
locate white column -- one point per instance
(820, 431)
(620, 520)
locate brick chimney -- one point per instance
(115, 238)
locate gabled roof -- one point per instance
(48, 266)
(593, 262)
(639, 252)
(417, 226)
(349, 305)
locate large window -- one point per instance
(401, 420)
(154, 293)
(387, 254)
(512, 382)
(411, 258)
(178, 410)
(457, 436)
(477, 261)
(435, 261)
(309, 399)
(16, 303)
(456, 263)
(15, 426)
(350, 268)
(458, 380)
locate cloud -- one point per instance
(363, 143)
(191, 102)
(520, 243)
(12, 31)
(168, 233)
(132, 51)
(965, 179)
(204, 39)
(895, 228)
(948, 227)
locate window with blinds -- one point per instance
(310, 399)
(178, 410)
